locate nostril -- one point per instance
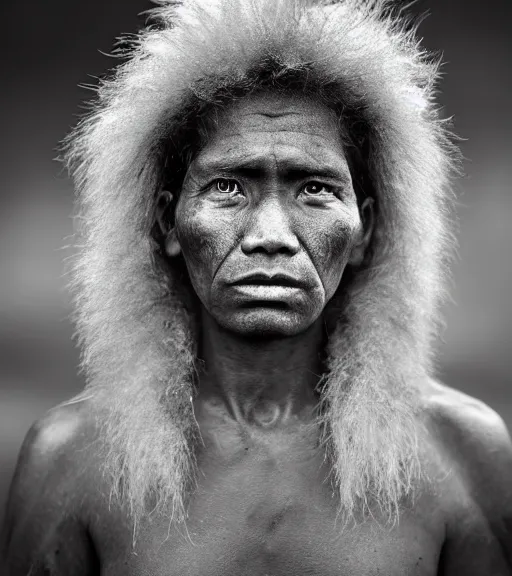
(276, 245)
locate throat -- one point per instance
(264, 383)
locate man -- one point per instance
(264, 213)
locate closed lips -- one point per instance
(268, 280)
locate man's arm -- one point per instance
(479, 525)
(44, 532)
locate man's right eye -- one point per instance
(226, 186)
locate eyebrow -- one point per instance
(294, 169)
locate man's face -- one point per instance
(267, 218)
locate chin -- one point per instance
(266, 322)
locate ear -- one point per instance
(165, 221)
(364, 234)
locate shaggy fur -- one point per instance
(136, 330)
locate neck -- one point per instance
(261, 380)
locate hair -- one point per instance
(135, 327)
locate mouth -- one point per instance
(263, 289)
(264, 279)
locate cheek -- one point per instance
(205, 240)
(330, 248)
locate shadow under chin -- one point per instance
(265, 304)
(265, 321)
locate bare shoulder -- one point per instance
(55, 447)
(49, 488)
(474, 491)
(476, 448)
(473, 434)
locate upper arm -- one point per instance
(479, 498)
(44, 532)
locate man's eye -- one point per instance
(316, 189)
(226, 186)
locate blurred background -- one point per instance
(54, 46)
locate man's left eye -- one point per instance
(227, 186)
(316, 189)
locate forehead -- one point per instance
(268, 127)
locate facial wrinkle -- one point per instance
(310, 256)
(310, 223)
(235, 244)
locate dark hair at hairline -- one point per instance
(195, 124)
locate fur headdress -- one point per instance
(136, 333)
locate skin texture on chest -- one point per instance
(258, 536)
(264, 506)
(302, 550)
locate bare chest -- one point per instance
(263, 539)
(273, 515)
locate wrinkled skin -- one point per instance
(270, 192)
(257, 198)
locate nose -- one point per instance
(269, 230)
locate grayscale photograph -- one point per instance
(255, 279)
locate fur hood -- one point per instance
(135, 331)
